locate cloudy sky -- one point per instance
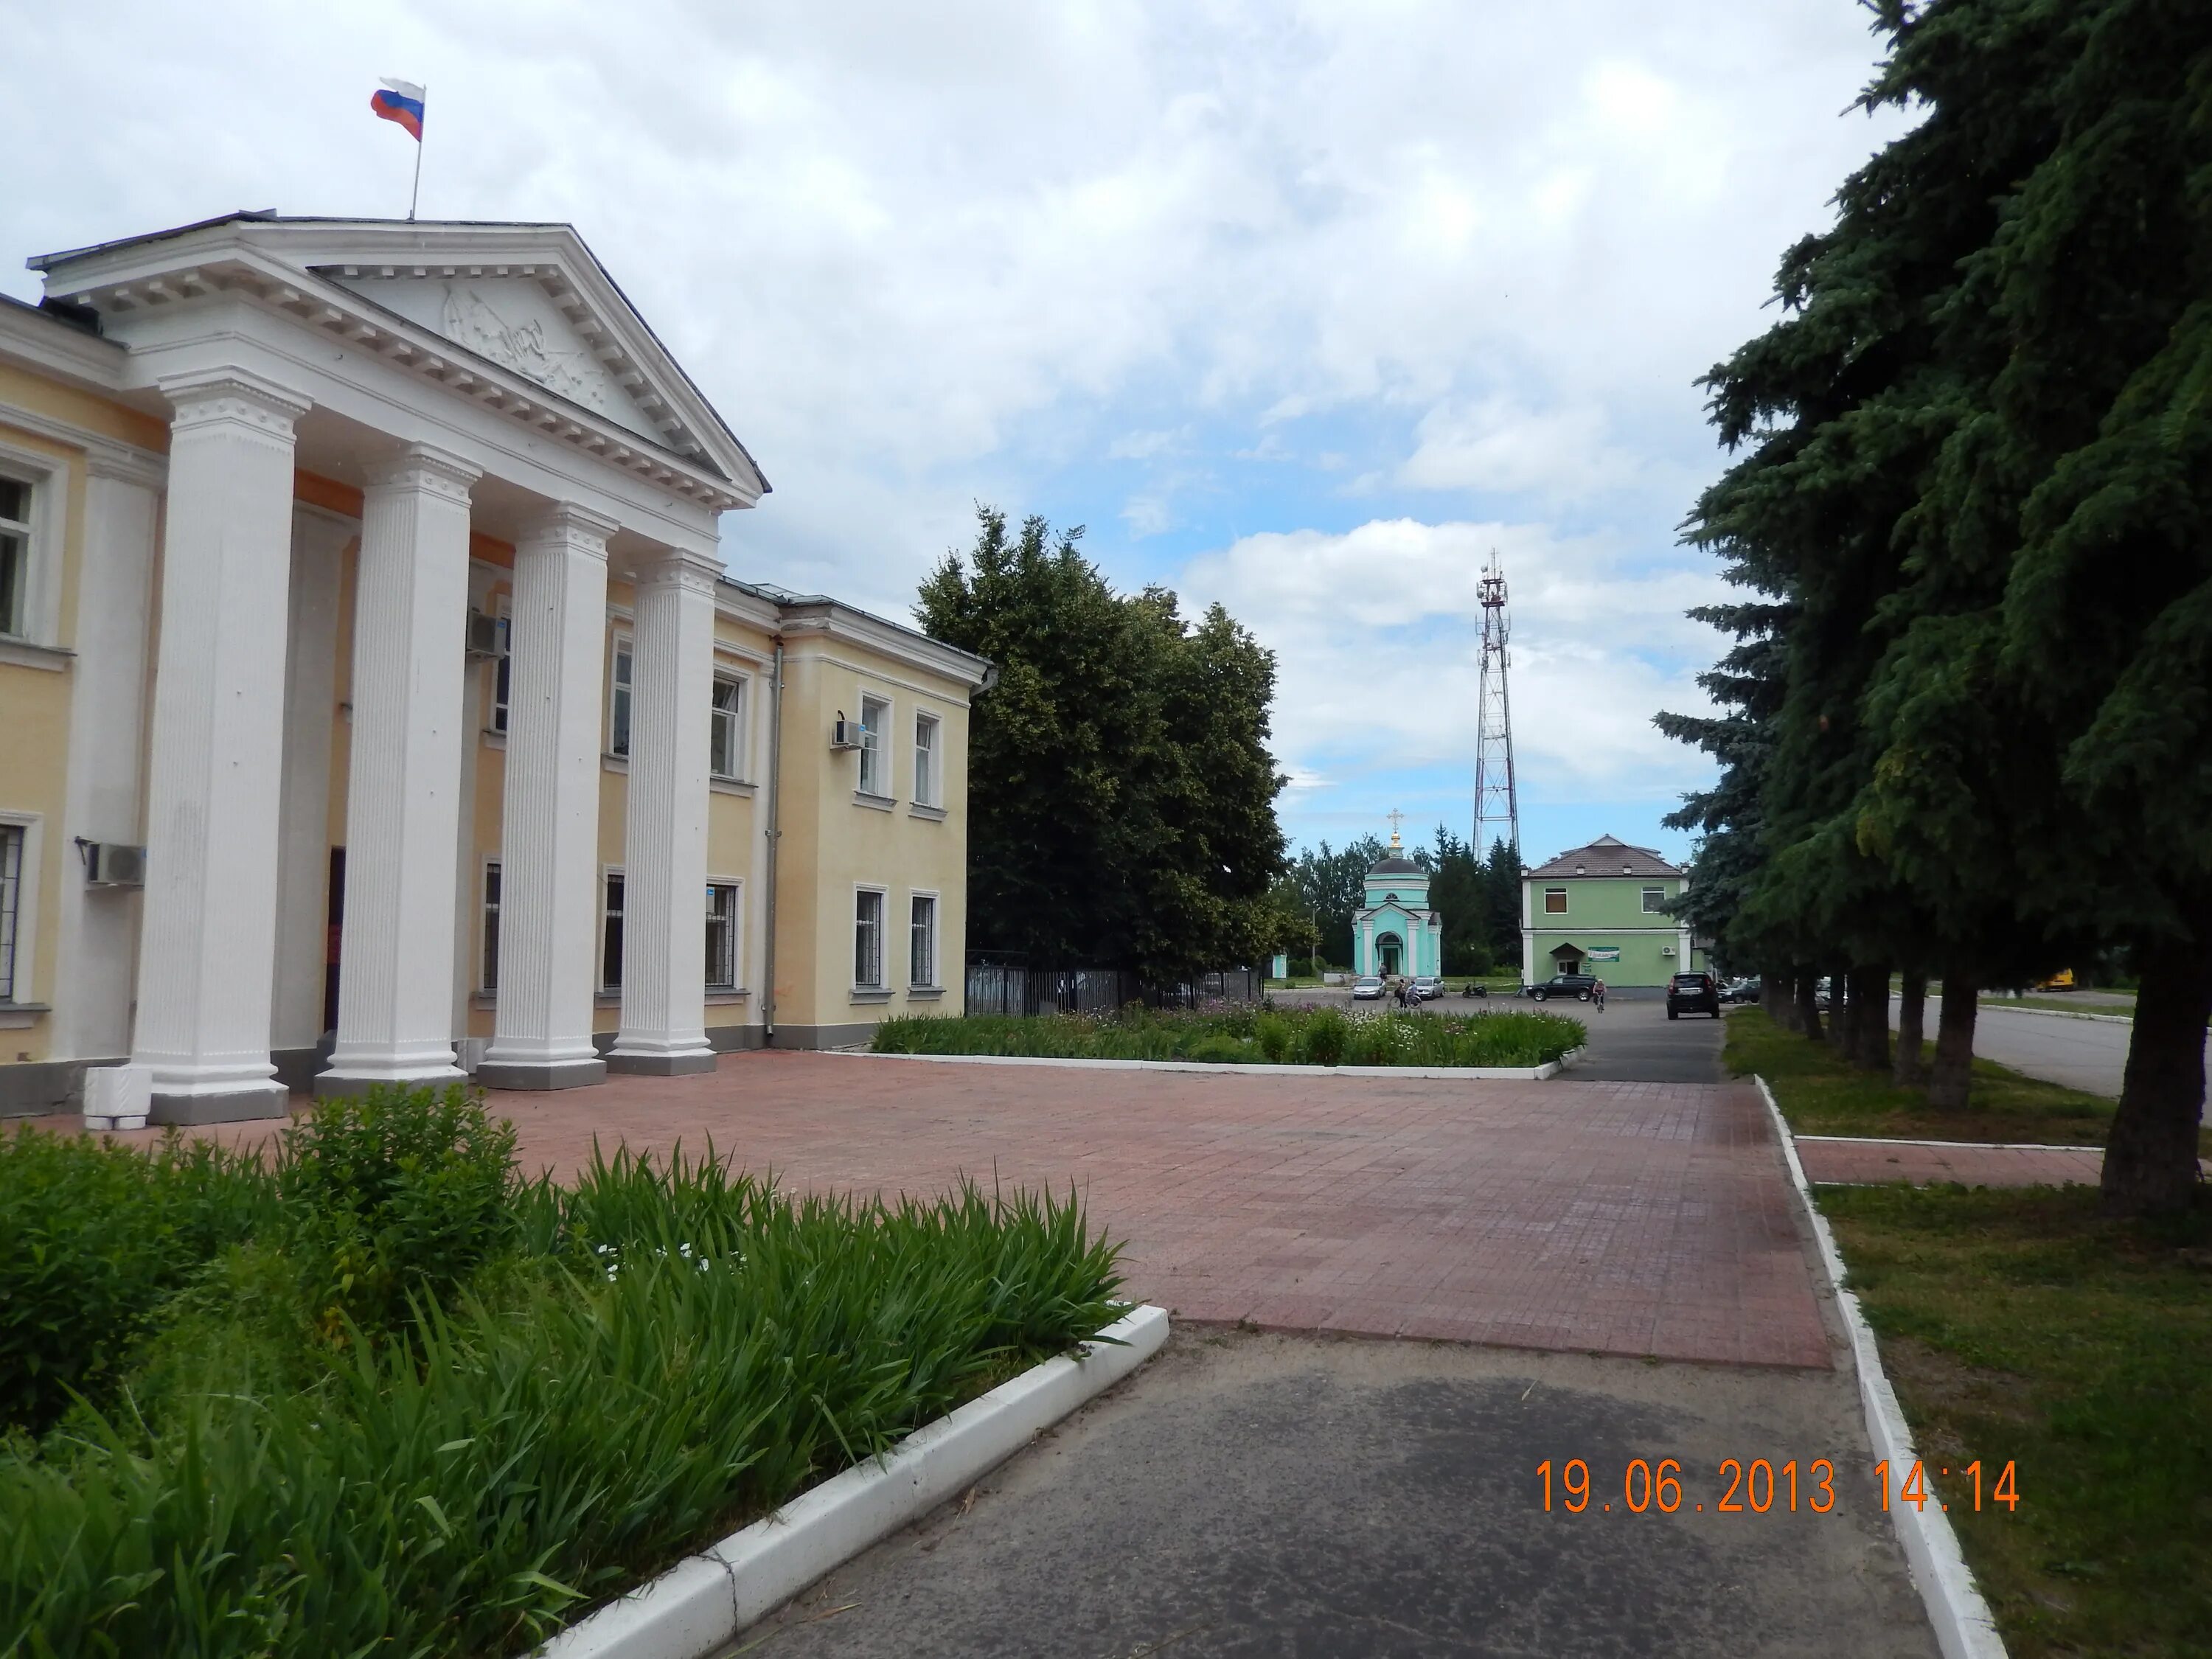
(1302, 307)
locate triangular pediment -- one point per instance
(514, 322)
(531, 299)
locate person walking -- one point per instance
(1597, 994)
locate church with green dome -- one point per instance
(1394, 931)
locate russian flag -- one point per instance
(400, 102)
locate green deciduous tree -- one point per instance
(1120, 787)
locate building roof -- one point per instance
(1396, 863)
(1606, 856)
(352, 275)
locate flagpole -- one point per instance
(415, 195)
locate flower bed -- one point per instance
(1261, 1036)
(382, 1394)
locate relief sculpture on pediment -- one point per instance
(469, 319)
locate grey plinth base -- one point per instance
(231, 1106)
(338, 1085)
(531, 1074)
(660, 1065)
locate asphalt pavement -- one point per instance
(1249, 1494)
(2088, 1055)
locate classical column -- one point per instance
(207, 937)
(107, 711)
(663, 1009)
(549, 824)
(403, 787)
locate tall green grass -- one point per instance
(650, 1358)
(1323, 1036)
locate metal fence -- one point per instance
(1004, 988)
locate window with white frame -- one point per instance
(503, 680)
(620, 677)
(12, 836)
(1655, 900)
(921, 957)
(610, 934)
(16, 550)
(868, 939)
(722, 935)
(927, 732)
(726, 756)
(875, 758)
(1555, 901)
(491, 925)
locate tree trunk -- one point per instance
(2150, 1155)
(1871, 1018)
(1778, 998)
(1950, 1080)
(1809, 1006)
(1911, 1025)
(1839, 1012)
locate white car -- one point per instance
(1367, 988)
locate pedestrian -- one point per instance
(1597, 994)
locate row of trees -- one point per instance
(1122, 793)
(1479, 901)
(1966, 725)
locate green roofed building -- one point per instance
(1603, 910)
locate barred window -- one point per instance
(868, 941)
(721, 935)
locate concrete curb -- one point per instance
(1964, 1627)
(1444, 1074)
(702, 1602)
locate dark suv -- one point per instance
(1694, 993)
(1577, 986)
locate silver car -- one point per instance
(1367, 988)
(1428, 988)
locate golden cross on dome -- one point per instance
(1397, 818)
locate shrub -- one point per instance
(1327, 1035)
(94, 1239)
(1274, 1034)
(398, 1193)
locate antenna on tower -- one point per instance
(1496, 801)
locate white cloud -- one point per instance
(1498, 445)
(1377, 635)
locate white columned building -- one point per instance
(548, 839)
(664, 1024)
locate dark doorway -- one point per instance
(333, 937)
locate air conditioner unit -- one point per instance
(484, 635)
(112, 864)
(1666, 950)
(845, 734)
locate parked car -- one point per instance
(1577, 985)
(1742, 990)
(1367, 988)
(1692, 994)
(1428, 987)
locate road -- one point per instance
(1272, 1495)
(2088, 1055)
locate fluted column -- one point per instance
(550, 822)
(208, 938)
(664, 1012)
(403, 787)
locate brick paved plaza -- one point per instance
(1630, 1218)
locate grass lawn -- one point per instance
(1822, 1095)
(2061, 1004)
(2019, 1327)
(1264, 1036)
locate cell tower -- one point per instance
(1497, 802)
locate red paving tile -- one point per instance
(1867, 1162)
(1617, 1217)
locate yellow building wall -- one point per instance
(35, 726)
(832, 845)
